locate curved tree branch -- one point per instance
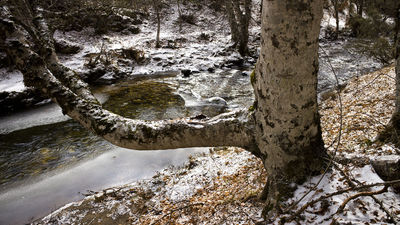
(68, 77)
(230, 129)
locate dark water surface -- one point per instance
(44, 167)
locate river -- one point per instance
(47, 160)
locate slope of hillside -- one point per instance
(221, 187)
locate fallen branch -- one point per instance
(352, 184)
(358, 188)
(365, 193)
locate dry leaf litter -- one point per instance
(221, 187)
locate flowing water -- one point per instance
(47, 160)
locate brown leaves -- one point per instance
(368, 103)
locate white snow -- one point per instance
(11, 81)
(179, 184)
(47, 114)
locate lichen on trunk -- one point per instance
(288, 130)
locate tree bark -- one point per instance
(178, 2)
(288, 130)
(65, 75)
(158, 28)
(397, 59)
(336, 9)
(284, 130)
(397, 108)
(239, 21)
(360, 7)
(392, 131)
(244, 28)
(232, 21)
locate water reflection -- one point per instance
(30, 152)
(148, 100)
(44, 167)
(33, 151)
(118, 166)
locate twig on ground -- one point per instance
(359, 194)
(361, 187)
(372, 81)
(353, 184)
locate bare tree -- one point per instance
(239, 21)
(338, 7)
(360, 7)
(157, 6)
(283, 130)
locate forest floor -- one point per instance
(221, 187)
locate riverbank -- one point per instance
(222, 186)
(205, 67)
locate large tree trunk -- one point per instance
(284, 130)
(336, 9)
(288, 129)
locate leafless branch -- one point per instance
(355, 183)
(358, 188)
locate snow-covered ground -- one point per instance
(186, 49)
(187, 186)
(221, 187)
(47, 114)
(11, 81)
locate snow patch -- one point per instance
(11, 81)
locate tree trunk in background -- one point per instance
(397, 110)
(157, 7)
(336, 9)
(239, 21)
(395, 121)
(178, 2)
(396, 33)
(232, 21)
(360, 7)
(158, 28)
(288, 130)
(244, 26)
